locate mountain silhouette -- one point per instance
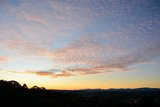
(12, 94)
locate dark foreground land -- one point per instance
(12, 94)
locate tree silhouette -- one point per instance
(38, 88)
(9, 84)
(13, 94)
(25, 86)
(14, 84)
(35, 88)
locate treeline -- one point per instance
(15, 85)
(12, 94)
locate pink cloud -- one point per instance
(4, 58)
(71, 72)
(35, 18)
(44, 73)
(90, 53)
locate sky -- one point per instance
(79, 44)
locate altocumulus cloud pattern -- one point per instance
(60, 38)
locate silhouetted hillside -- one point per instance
(12, 94)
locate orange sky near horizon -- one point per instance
(79, 44)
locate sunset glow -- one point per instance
(79, 44)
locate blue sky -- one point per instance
(66, 38)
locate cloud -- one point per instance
(57, 15)
(89, 37)
(50, 73)
(4, 58)
(89, 56)
(94, 54)
(34, 28)
(62, 74)
(54, 73)
(44, 73)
